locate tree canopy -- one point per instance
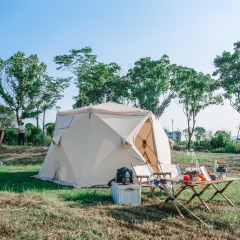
(197, 92)
(50, 92)
(20, 80)
(228, 70)
(152, 84)
(7, 120)
(95, 81)
(199, 133)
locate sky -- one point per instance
(191, 33)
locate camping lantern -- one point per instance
(126, 179)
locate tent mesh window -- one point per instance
(145, 144)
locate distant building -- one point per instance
(175, 136)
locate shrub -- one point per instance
(220, 139)
(11, 137)
(231, 147)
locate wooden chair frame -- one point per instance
(157, 176)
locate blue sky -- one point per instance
(190, 32)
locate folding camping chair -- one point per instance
(146, 176)
(172, 168)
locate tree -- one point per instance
(7, 120)
(50, 128)
(97, 89)
(20, 80)
(92, 77)
(185, 133)
(228, 70)
(153, 84)
(220, 139)
(196, 93)
(50, 92)
(199, 133)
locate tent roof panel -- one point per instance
(107, 108)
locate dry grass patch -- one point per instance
(34, 209)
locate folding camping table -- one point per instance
(191, 185)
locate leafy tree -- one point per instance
(20, 80)
(195, 94)
(186, 133)
(98, 87)
(199, 133)
(50, 128)
(7, 120)
(228, 70)
(91, 77)
(50, 93)
(220, 139)
(152, 81)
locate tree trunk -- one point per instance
(43, 127)
(190, 132)
(17, 115)
(1, 138)
(37, 119)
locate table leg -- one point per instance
(199, 195)
(172, 198)
(175, 196)
(194, 195)
(221, 192)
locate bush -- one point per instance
(231, 147)
(220, 139)
(11, 137)
(47, 140)
(33, 136)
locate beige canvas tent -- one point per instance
(91, 143)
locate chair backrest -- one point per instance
(173, 168)
(143, 170)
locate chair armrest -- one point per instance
(142, 176)
(163, 174)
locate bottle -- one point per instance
(197, 166)
(215, 168)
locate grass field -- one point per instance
(34, 209)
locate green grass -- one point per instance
(35, 209)
(184, 158)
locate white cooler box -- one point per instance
(126, 194)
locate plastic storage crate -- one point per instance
(126, 194)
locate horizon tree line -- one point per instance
(28, 91)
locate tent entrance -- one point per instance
(145, 144)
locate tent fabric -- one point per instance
(91, 143)
(56, 140)
(107, 108)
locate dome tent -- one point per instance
(90, 143)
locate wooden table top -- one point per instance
(194, 183)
